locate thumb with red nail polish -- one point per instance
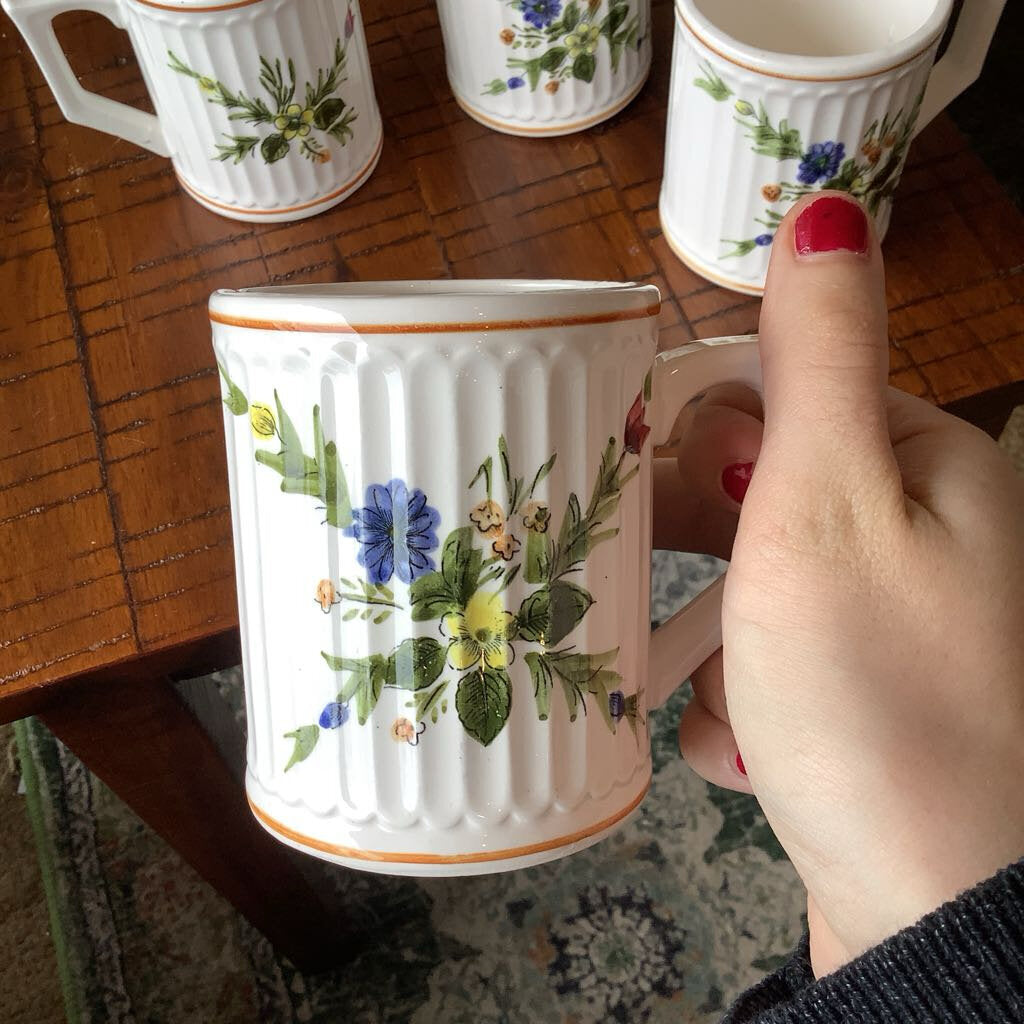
(872, 656)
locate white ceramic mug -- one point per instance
(441, 497)
(265, 107)
(778, 98)
(545, 67)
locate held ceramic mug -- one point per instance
(545, 67)
(441, 498)
(265, 107)
(772, 100)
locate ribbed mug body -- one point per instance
(545, 67)
(744, 144)
(268, 107)
(444, 652)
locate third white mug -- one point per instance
(545, 67)
(773, 100)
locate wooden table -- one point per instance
(114, 522)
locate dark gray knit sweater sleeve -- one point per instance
(962, 964)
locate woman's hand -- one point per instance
(873, 618)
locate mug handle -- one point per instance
(962, 62)
(694, 633)
(34, 19)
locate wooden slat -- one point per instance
(64, 606)
(114, 518)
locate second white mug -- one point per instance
(265, 107)
(545, 67)
(772, 101)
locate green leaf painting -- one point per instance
(305, 740)
(712, 83)
(567, 605)
(540, 673)
(431, 597)
(292, 124)
(551, 613)
(319, 475)
(461, 565)
(555, 44)
(483, 701)
(416, 664)
(457, 588)
(869, 175)
(235, 400)
(778, 141)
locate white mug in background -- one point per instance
(265, 107)
(441, 496)
(545, 67)
(772, 100)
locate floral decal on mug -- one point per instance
(871, 174)
(508, 534)
(556, 43)
(296, 122)
(395, 531)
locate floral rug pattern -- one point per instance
(689, 903)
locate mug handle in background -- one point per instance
(961, 64)
(694, 633)
(34, 19)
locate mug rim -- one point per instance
(438, 306)
(802, 67)
(196, 6)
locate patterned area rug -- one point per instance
(665, 921)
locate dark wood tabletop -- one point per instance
(115, 530)
(114, 512)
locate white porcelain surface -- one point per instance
(417, 383)
(290, 77)
(589, 60)
(811, 28)
(776, 100)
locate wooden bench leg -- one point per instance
(142, 741)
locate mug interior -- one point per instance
(818, 28)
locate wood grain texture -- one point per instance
(114, 519)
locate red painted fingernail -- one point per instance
(740, 767)
(830, 224)
(736, 480)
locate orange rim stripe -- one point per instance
(350, 184)
(456, 327)
(477, 114)
(800, 78)
(385, 857)
(199, 10)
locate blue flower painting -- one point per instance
(821, 162)
(540, 13)
(871, 180)
(552, 42)
(396, 530)
(333, 716)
